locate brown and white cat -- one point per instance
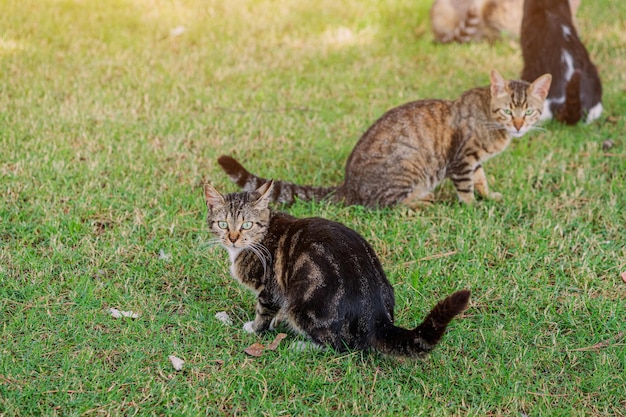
(551, 44)
(475, 20)
(411, 149)
(319, 277)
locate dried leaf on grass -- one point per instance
(177, 363)
(224, 318)
(277, 340)
(257, 349)
(605, 343)
(119, 313)
(164, 256)
(177, 31)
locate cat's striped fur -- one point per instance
(319, 277)
(412, 148)
(459, 21)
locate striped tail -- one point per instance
(282, 192)
(570, 112)
(397, 341)
(468, 29)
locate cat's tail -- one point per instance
(397, 341)
(571, 110)
(282, 191)
(468, 28)
(452, 25)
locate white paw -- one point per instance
(249, 327)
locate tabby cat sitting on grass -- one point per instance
(411, 149)
(317, 276)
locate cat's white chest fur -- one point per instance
(233, 254)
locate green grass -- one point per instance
(109, 124)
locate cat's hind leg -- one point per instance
(420, 197)
(464, 185)
(480, 184)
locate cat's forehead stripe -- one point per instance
(235, 204)
(518, 92)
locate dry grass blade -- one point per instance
(605, 343)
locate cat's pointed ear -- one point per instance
(498, 84)
(213, 197)
(541, 86)
(263, 195)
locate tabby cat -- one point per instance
(474, 20)
(317, 276)
(550, 43)
(412, 148)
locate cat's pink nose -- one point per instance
(518, 123)
(232, 238)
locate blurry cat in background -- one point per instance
(550, 44)
(475, 20)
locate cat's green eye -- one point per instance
(246, 225)
(529, 112)
(222, 225)
(508, 112)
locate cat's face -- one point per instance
(517, 105)
(238, 220)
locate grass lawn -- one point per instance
(112, 115)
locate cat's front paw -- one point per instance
(249, 327)
(467, 199)
(495, 196)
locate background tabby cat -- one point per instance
(474, 20)
(411, 149)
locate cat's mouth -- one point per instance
(517, 133)
(232, 245)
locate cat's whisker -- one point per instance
(263, 249)
(493, 126)
(210, 243)
(262, 253)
